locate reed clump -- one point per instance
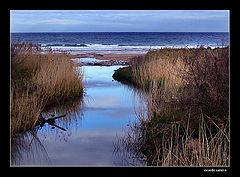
(187, 103)
(175, 145)
(38, 80)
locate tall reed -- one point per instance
(25, 108)
(175, 145)
(187, 120)
(59, 80)
(39, 80)
(160, 74)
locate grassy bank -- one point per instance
(38, 81)
(124, 75)
(187, 121)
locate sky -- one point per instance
(119, 21)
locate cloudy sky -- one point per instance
(119, 21)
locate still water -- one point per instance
(93, 127)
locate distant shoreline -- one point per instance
(117, 57)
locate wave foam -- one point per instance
(108, 48)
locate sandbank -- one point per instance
(118, 57)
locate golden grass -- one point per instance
(186, 150)
(161, 75)
(177, 147)
(157, 70)
(59, 80)
(37, 81)
(187, 108)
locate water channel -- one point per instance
(93, 126)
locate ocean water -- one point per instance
(121, 42)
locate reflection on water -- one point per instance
(27, 149)
(93, 126)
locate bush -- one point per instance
(124, 75)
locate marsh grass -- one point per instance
(59, 80)
(187, 120)
(160, 74)
(181, 79)
(25, 109)
(177, 146)
(39, 80)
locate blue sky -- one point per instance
(119, 21)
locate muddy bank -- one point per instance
(94, 59)
(116, 57)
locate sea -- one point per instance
(121, 42)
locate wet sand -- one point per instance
(118, 57)
(122, 57)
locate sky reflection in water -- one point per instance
(90, 142)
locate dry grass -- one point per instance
(177, 146)
(37, 81)
(59, 80)
(25, 109)
(187, 120)
(161, 74)
(185, 150)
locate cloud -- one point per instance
(84, 148)
(104, 101)
(200, 15)
(116, 20)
